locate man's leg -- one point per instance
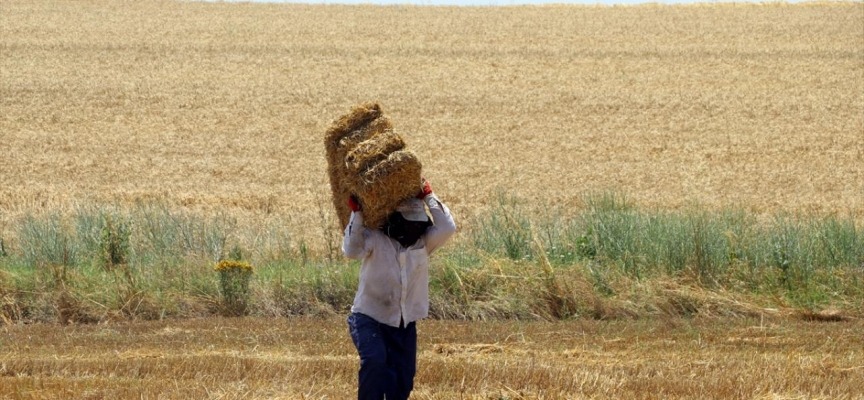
(402, 359)
(374, 376)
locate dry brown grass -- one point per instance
(314, 359)
(222, 106)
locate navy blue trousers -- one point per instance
(388, 358)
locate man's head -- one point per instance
(413, 210)
(408, 223)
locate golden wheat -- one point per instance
(222, 106)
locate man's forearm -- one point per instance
(353, 244)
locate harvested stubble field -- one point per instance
(221, 108)
(314, 359)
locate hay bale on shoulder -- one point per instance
(366, 158)
(356, 119)
(373, 151)
(386, 184)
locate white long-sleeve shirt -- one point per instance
(394, 280)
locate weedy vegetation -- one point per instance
(610, 261)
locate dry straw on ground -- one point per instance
(313, 358)
(367, 159)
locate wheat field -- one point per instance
(252, 358)
(223, 106)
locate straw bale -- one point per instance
(361, 123)
(373, 151)
(386, 184)
(349, 123)
(366, 158)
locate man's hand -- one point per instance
(353, 204)
(425, 191)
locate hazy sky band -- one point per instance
(503, 2)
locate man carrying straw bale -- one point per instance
(394, 290)
(375, 183)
